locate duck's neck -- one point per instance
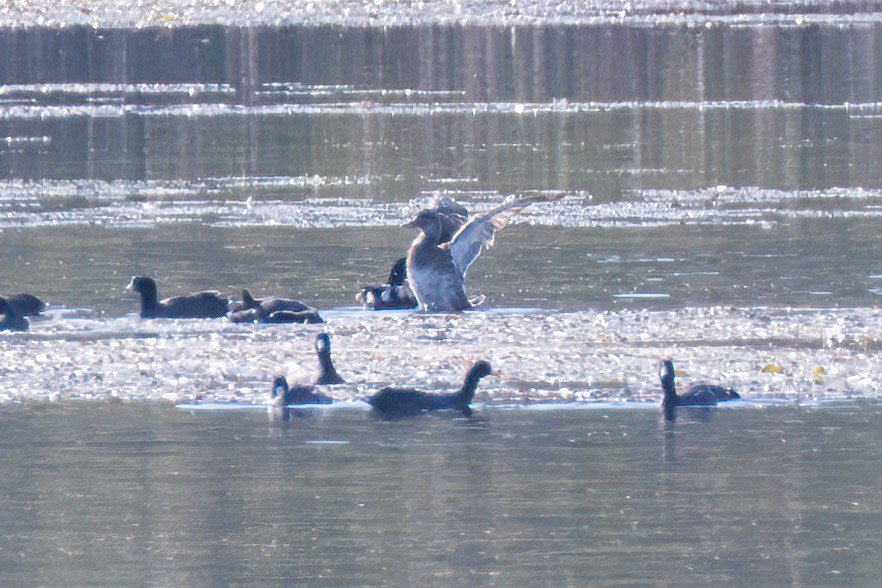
(248, 300)
(148, 301)
(467, 393)
(431, 234)
(423, 241)
(328, 374)
(670, 390)
(398, 273)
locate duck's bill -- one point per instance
(410, 225)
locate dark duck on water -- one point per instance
(282, 395)
(327, 373)
(698, 394)
(437, 264)
(401, 402)
(199, 305)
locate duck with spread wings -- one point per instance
(437, 264)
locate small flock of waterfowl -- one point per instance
(389, 401)
(430, 278)
(399, 402)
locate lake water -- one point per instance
(511, 497)
(721, 205)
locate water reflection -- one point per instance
(163, 496)
(611, 107)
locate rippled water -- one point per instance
(776, 496)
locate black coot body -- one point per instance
(695, 395)
(199, 305)
(400, 402)
(10, 319)
(26, 304)
(722, 394)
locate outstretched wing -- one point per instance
(477, 234)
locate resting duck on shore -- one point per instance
(10, 319)
(696, 395)
(199, 305)
(259, 315)
(394, 294)
(398, 402)
(272, 310)
(270, 304)
(437, 265)
(281, 394)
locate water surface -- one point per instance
(781, 496)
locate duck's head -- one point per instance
(323, 344)
(666, 372)
(141, 284)
(428, 221)
(279, 388)
(481, 369)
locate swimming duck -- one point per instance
(199, 305)
(436, 266)
(26, 304)
(282, 395)
(698, 394)
(327, 374)
(10, 319)
(394, 294)
(398, 402)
